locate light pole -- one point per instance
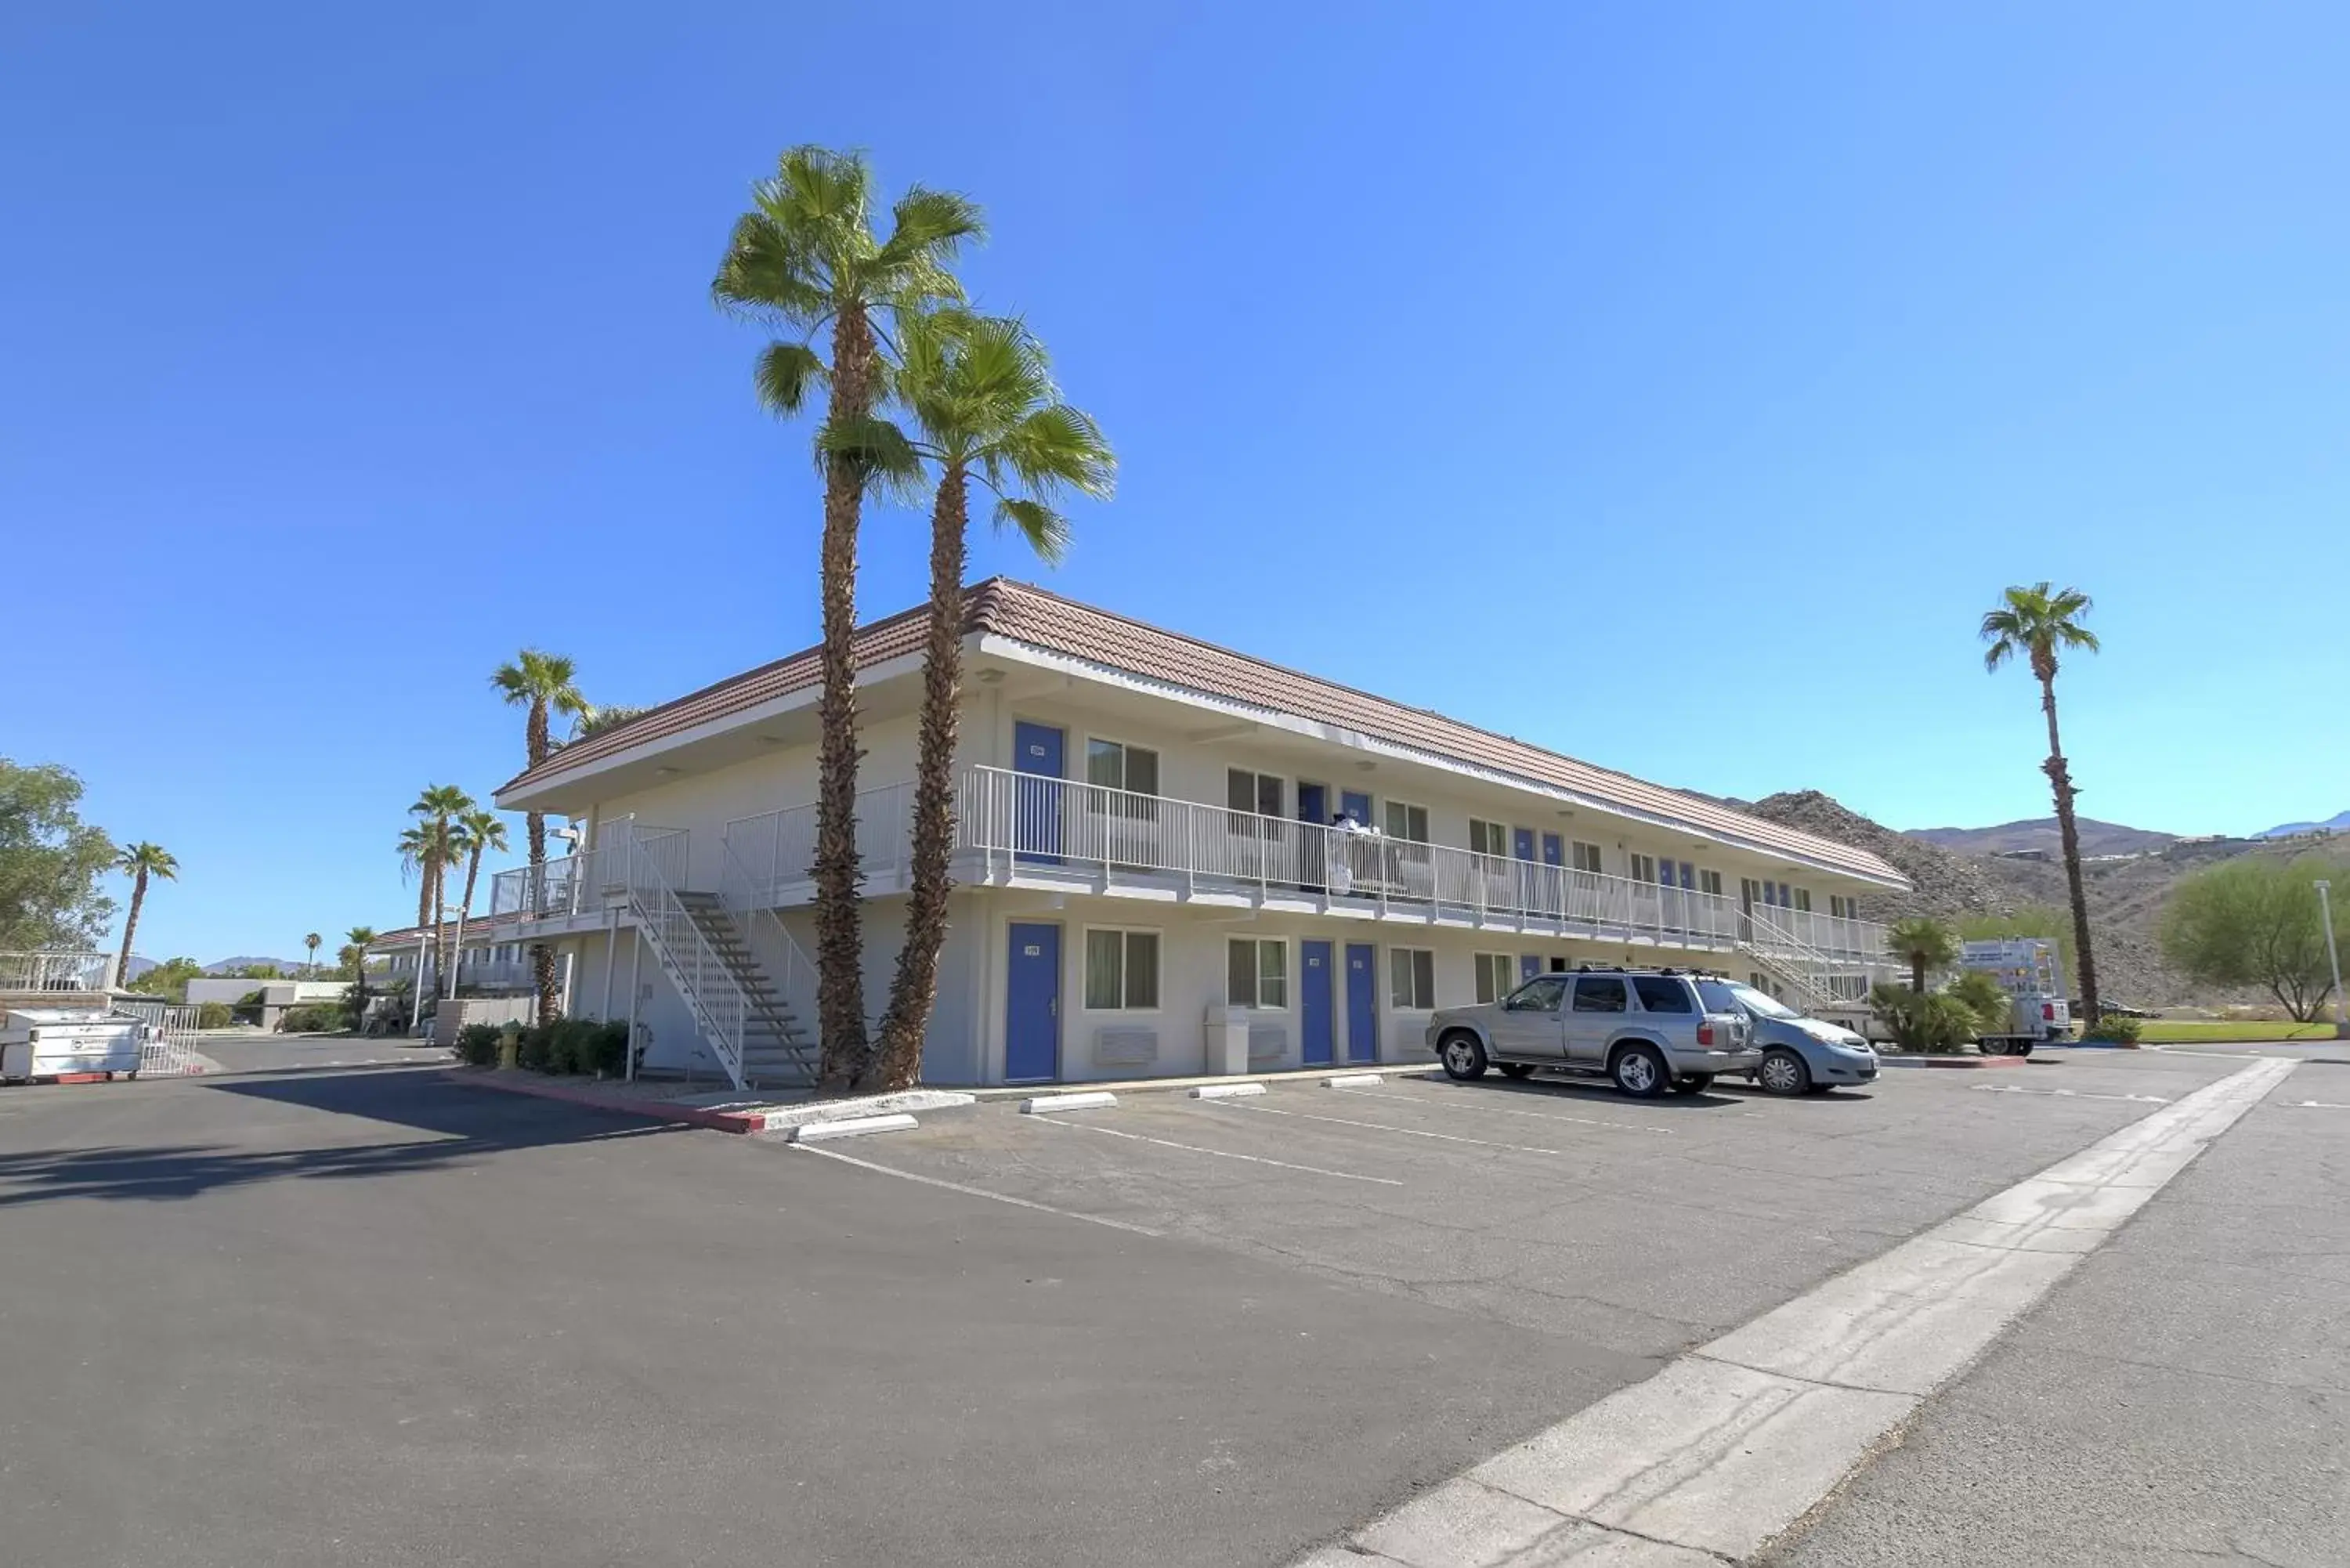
(2333, 957)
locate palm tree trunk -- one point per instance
(839, 923)
(440, 926)
(914, 989)
(1917, 973)
(131, 928)
(465, 908)
(542, 957)
(2059, 780)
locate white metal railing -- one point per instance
(568, 886)
(168, 1046)
(652, 866)
(1020, 821)
(778, 848)
(1840, 977)
(750, 906)
(56, 968)
(1839, 937)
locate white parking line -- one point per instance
(2314, 1105)
(968, 1191)
(1223, 1153)
(1384, 1128)
(2066, 1093)
(1509, 1111)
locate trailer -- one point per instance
(2028, 970)
(69, 1044)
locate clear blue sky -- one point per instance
(1674, 386)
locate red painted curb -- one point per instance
(519, 1083)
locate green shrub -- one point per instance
(477, 1045)
(1994, 1010)
(213, 1016)
(576, 1045)
(2115, 1030)
(314, 1018)
(534, 1052)
(1935, 1021)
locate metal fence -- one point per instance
(56, 969)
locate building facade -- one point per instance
(1162, 848)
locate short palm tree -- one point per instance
(311, 942)
(355, 942)
(477, 831)
(805, 259)
(138, 863)
(1923, 944)
(984, 408)
(544, 684)
(2033, 624)
(438, 810)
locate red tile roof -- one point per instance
(1022, 613)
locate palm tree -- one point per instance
(981, 393)
(2031, 624)
(311, 942)
(806, 258)
(543, 683)
(438, 810)
(1923, 944)
(140, 862)
(476, 831)
(355, 942)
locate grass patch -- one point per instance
(2189, 1032)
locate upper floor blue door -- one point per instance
(1039, 753)
(1314, 996)
(1032, 1005)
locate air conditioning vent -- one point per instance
(1268, 1042)
(1123, 1045)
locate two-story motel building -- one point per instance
(1153, 833)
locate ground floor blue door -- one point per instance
(1314, 998)
(1362, 1003)
(1032, 1006)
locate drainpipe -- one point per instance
(636, 993)
(611, 960)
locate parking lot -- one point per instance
(1554, 1205)
(389, 1311)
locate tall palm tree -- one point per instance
(1923, 944)
(476, 831)
(2031, 624)
(438, 810)
(545, 684)
(981, 393)
(355, 942)
(140, 862)
(311, 942)
(805, 259)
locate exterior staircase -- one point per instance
(1820, 983)
(776, 1051)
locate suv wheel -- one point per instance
(1639, 1071)
(1782, 1071)
(1465, 1056)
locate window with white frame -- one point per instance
(1587, 857)
(1253, 792)
(1844, 909)
(1488, 837)
(1411, 979)
(1121, 971)
(1407, 821)
(1709, 882)
(1497, 976)
(1804, 900)
(1644, 867)
(1257, 973)
(1114, 765)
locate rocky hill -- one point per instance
(2126, 896)
(2041, 836)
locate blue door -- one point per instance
(1362, 1003)
(1315, 996)
(1554, 850)
(1032, 1006)
(1356, 805)
(1038, 752)
(1522, 843)
(1314, 810)
(1314, 804)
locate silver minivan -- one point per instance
(1648, 1031)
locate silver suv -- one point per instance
(1650, 1031)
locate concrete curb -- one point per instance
(1354, 1081)
(1096, 1100)
(851, 1127)
(1226, 1090)
(1963, 1063)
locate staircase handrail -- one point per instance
(795, 977)
(1795, 960)
(709, 986)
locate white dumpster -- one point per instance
(59, 1041)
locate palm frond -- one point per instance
(878, 450)
(785, 374)
(1045, 530)
(1059, 445)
